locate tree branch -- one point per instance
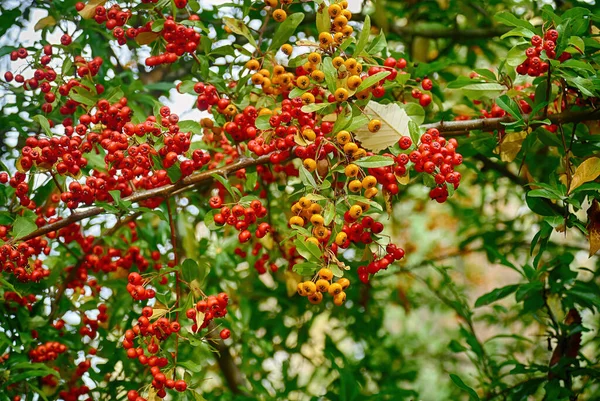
(449, 128)
(165, 191)
(457, 35)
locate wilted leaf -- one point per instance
(45, 22)
(145, 38)
(394, 124)
(587, 171)
(510, 146)
(593, 227)
(89, 10)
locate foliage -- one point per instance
(176, 172)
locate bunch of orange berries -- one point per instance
(321, 284)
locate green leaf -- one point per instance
(508, 19)
(323, 18)
(363, 36)
(539, 206)
(509, 105)
(372, 80)
(238, 27)
(157, 25)
(519, 31)
(378, 44)
(307, 178)
(296, 92)
(516, 55)
(262, 122)
(44, 123)
(306, 268)
(460, 384)
(190, 126)
(22, 226)
(286, 29)
(496, 295)
(309, 108)
(342, 120)
(251, 179)
(225, 183)
(330, 73)
(374, 161)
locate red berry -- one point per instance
(225, 334)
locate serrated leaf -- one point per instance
(285, 30)
(587, 171)
(394, 124)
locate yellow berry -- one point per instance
(315, 208)
(316, 298)
(343, 4)
(369, 182)
(340, 238)
(355, 186)
(296, 220)
(314, 58)
(304, 202)
(347, 30)
(351, 63)
(310, 164)
(350, 148)
(338, 37)
(334, 10)
(309, 67)
(309, 134)
(355, 211)
(337, 62)
(340, 21)
(317, 220)
(351, 170)
(318, 75)
(359, 153)
(334, 289)
(271, 3)
(371, 193)
(300, 289)
(362, 95)
(307, 98)
(313, 240)
(258, 79)
(303, 82)
(339, 299)
(252, 65)
(353, 82)
(346, 13)
(325, 38)
(310, 287)
(374, 125)
(344, 282)
(343, 137)
(280, 15)
(320, 232)
(322, 285)
(341, 94)
(287, 49)
(325, 274)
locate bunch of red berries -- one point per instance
(47, 352)
(214, 306)
(241, 217)
(534, 66)
(393, 253)
(136, 289)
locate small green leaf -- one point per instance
(190, 126)
(44, 123)
(496, 295)
(286, 29)
(363, 36)
(460, 384)
(262, 122)
(372, 80)
(374, 161)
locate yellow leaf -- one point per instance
(89, 10)
(145, 38)
(394, 124)
(291, 282)
(403, 179)
(587, 171)
(44, 22)
(593, 227)
(510, 146)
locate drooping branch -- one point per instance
(449, 128)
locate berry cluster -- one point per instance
(149, 335)
(534, 66)
(435, 156)
(241, 217)
(358, 232)
(47, 352)
(393, 253)
(306, 211)
(322, 283)
(213, 306)
(135, 287)
(180, 39)
(90, 326)
(25, 300)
